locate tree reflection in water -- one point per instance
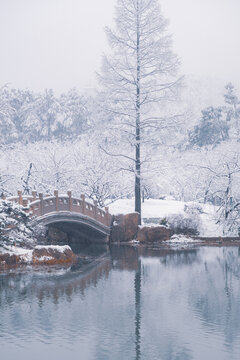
(137, 287)
(149, 303)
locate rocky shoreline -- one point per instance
(125, 231)
(13, 256)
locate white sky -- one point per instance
(58, 43)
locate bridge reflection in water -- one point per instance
(129, 302)
(95, 264)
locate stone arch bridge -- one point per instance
(74, 216)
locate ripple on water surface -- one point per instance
(134, 304)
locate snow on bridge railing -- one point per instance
(39, 206)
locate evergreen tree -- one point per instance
(213, 128)
(14, 224)
(233, 110)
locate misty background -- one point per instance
(59, 43)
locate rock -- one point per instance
(153, 233)
(53, 255)
(124, 227)
(40, 255)
(131, 225)
(8, 260)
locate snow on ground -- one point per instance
(153, 208)
(25, 254)
(180, 239)
(45, 258)
(60, 248)
(149, 224)
(209, 219)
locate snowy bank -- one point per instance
(41, 255)
(154, 209)
(181, 239)
(59, 248)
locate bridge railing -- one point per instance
(38, 206)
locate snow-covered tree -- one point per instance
(213, 128)
(139, 73)
(75, 110)
(233, 110)
(30, 117)
(14, 224)
(6, 113)
(227, 177)
(48, 108)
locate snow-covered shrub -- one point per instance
(184, 224)
(40, 231)
(193, 209)
(163, 221)
(14, 224)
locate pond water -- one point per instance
(131, 303)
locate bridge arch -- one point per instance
(65, 211)
(75, 223)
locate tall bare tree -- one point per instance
(139, 73)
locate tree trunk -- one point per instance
(138, 183)
(137, 159)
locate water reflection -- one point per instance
(137, 287)
(128, 302)
(125, 257)
(216, 302)
(19, 287)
